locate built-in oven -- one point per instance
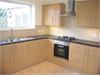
(61, 49)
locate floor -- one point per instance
(47, 68)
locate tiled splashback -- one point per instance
(39, 30)
(87, 34)
(71, 29)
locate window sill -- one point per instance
(5, 29)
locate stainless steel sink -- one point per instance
(3, 42)
(19, 39)
(15, 40)
(22, 39)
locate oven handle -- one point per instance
(60, 46)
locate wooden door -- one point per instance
(99, 15)
(7, 59)
(37, 51)
(21, 56)
(95, 14)
(49, 49)
(83, 13)
(77, 54)
(51, 14)
(93, 59)
(48, 15)
(87, 13)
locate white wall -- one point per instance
(38, 14)
(70, 29)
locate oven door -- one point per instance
(61, 51)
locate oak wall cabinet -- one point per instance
(87, 13)
(84, 58)
(52, 14)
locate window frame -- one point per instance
(32, 13)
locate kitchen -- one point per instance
(64, 25)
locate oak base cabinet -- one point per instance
(84, 58)
(18, 56)
(7, 59)
(37, 51)
(93, 60)
(0, 60)
(21, 56)
(14, 57)
(77, 56)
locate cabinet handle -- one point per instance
(55, 16)
(60, 46)
(86, 55)
(52, 20)
(13, 50)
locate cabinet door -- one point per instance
(77, 55)
(83, 13)
(49, 49)
(58, 19)
(48, 15)
(51, 14)
(98, 15)
(37, 51)
(87, 13)
(93, 58)
(95, 14)
(21, 55)
(7, 59)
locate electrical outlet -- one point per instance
(40, 31)
(99, 36)
(94, 35)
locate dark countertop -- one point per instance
(18, 40)
(39, 37)
(87, 42)
(80, 41)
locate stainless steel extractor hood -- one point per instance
(71, 8)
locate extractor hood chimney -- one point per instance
(71, 8)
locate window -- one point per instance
(14, 15)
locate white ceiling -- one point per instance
(49, 1)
